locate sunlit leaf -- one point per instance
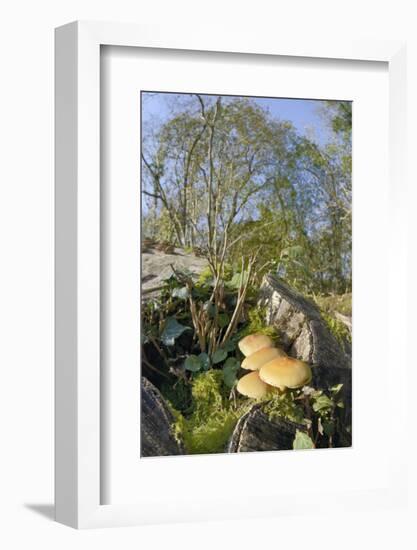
(322, 402)
(237, 280)
(181, 293)
(302, 441)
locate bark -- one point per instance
(302, 332)
(157, 436)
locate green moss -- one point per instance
(256, 324)
(210, 425)
(339, 330)
(205, 277)
(284, 405)
(339, 302)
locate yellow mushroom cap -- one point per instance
(286, 371)
(256, 360)
(252, 386)
(254, 342)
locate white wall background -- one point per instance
(26, 268)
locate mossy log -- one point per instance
(255, 431)
(157, 435)
(301, 330)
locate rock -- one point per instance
(157, 436)
(301, 329)
(156, 267)
(256, 432)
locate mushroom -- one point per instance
(251, 385)
(256, 360)
(254, 342)
(286, 372)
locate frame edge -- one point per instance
(66, 345)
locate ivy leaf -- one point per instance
(229, 346)
(302, 441)
(205, 360)
(322, 402)
(222, 320)
(172, 330)
(181, 293)
(328, 427)
(193, 363)
(219, 356)
(230, 371)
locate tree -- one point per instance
(222, 175)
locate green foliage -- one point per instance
(230, 370)
(285, 405)
(315, 409)
(219, 356)
(178, 395)
(302, 441)
(210, 425)
(279, 193)
(339, 330)
(172, 330)
(206, 277)
(338, 302)
(256, 324)
(193, 363)
(181, 293)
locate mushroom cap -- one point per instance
(256, 360)
(286, 371)
(252, 386)
(254, 342)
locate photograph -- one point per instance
(246, 273)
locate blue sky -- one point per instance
(303, 113)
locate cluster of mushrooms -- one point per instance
(271, 366)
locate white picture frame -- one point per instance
(77, 421)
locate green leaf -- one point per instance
(172, 330)
(328, 427)
(337, 388)
(181, 293)
(210, 308)
(232, 362)
(322, 402)
(219, 356)
(229, 346)
(222, 320)
(205, 360)
(302, 441)
(193, 363)
(230, 369)
(236, 280)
